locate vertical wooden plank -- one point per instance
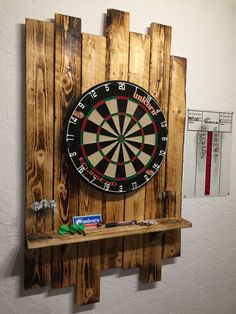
(67, 91)
(139, 56)
(34, 274)
(174, 171)
(159, 88)
(177, 113)
(88, 273)
(39, 116)
(90, 200)
(152, 258)
(39, 141)
(117, 33)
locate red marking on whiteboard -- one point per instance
(208, 163)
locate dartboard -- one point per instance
(116, 136)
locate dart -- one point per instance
(36, 206)
(52, 205)
(44, 205)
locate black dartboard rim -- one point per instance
(115, 136)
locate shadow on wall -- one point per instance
(14, 263)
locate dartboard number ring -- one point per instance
(116, 136)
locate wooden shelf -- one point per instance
(40, 240)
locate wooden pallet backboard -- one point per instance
(62, 63)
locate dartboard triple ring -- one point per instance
(116, 136)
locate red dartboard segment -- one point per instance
(99, 104)
(121, 138)
(122, 97)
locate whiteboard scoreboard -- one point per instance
(207, 155)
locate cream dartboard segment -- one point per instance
(116, 136)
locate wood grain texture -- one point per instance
(39, 142)
(39, 114)
(63, 265)
(139, 58)
(152, 259)
(93, 73)
(90, 200)
(93, 234)
(58, 72)
(88, 274)
(158, 87)
(117, 34)
(177, 113)
(174, 171)
(67, 91)
(37, 272)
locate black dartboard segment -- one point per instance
(116, 136)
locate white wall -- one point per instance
(203, 280)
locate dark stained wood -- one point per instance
(159, 88)
(39, 142)
(139, 58)
(64, 263)
(88, 274)
(171, 244)
(152, 259)
(90, 200)
(117, 34)
(37, 268)
(174, 171)
(67, 91)
(169, 204)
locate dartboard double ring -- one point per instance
(116, 136)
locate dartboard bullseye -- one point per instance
(116, 136)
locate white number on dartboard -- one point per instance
(106, 186)
(93, 93)
(93, 179)
(70, 137)
(134, 185)
(73, 120)
(81, 169)
(146, 177)
(156, 166)
(121, 86)
(73, 154)
(162, 153)
(82, 106)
